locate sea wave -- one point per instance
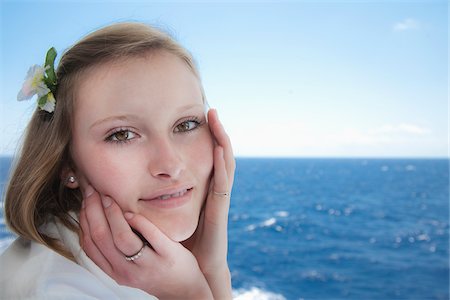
(270, 222)
(255, 293)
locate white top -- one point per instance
(29, 270)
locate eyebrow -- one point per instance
(112, 118)
(189, 106)
(130, 117)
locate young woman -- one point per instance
(122, 186)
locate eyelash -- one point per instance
(110, 137)
(196, 120)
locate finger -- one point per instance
(220, 171)
(89, 246)
(217, 129)
(223, 140)
(99, 228)
(215, 234)
(124, 238)
(217, 205)
(156, 238)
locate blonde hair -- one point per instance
(36, 192)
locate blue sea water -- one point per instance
(335, 228)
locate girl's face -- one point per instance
(140, 136)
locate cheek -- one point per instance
(103, 176)
(201, 156)
(107, 174)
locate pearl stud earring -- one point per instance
(71, 179)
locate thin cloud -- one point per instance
(403, 128)
(383, 135)
(293, 138)
(407, 24)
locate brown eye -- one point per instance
(121, 136)
(186, 126)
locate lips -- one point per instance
(174, 195)
(169, 198)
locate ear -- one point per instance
(69, 179)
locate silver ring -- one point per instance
(71, 179)
(226, 194)
(135, 256)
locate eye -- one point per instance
(121, 136)
(187, 125)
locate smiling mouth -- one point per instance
(175, 195)
(170, 199)
(169, 194)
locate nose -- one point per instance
(166, 161)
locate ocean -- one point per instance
(335, 228)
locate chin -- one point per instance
(181, 237)
(178, 227)
(181, 224)
(183, 231)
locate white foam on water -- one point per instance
(250, 227)
(410, 168)
(269, 222)
(282, 214)
(255, 293)
(423, 237)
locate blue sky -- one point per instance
(289, 78)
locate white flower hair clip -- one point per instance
(41, 81)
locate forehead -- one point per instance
(157, 63)
(155, 79)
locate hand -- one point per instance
(209, 243)
(166, 270)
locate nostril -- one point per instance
(166, 164)
(163, 175)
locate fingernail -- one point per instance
(106, 201)
(128, 215)
(83, 204)
(88, 191)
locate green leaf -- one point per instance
(47, 102)
(50, 68)
(42, 100)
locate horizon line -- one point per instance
(319, 157)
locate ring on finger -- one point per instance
(136, 255)
(225, 194)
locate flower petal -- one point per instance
(41, 81)
(33, 84)
(42, 89)
(26, 92)
(49, 104)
